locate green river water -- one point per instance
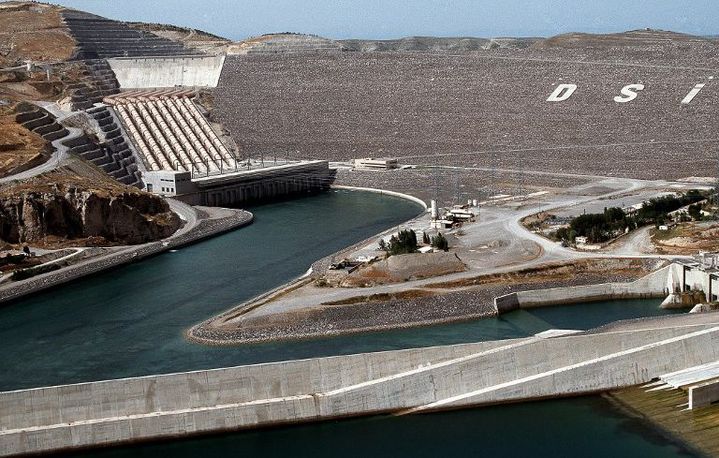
(129, 321)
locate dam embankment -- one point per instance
(401, 381)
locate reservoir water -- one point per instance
(129, 321)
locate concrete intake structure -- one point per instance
(666, 282)
(401, 381)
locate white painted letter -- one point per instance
(628, 93)
(692, 93)
(562, 92)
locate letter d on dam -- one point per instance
(562, 92)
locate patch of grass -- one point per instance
(677, 231)
(380, 297)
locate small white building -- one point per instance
(168, 182)
(461, 213)
(441, 223)
(375, 163)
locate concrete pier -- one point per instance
(404, 381)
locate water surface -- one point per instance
(129, 321)
(580, 427)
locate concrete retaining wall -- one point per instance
(656, 284)
(625, 368)
(197, 389)
(421, 379)
(384, 192)
(190, 71)
(510, 373)
(703, 394)
(507, 303)
(244, 187)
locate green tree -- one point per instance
(382, 245)
(404, 242)
(695, 211)
(562, 234)
(440, 242)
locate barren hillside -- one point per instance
(19, 148)
(32, 31)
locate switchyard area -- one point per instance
(572, 169)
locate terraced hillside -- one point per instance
(98, 37)
(488, 108)
(20, 148)
(88, 193)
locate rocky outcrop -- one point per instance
(73, 213)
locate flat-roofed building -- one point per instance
(375, 163)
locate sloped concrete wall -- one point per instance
(286, 392)
(703, 394)
(507, 303)
(656, 284)
(188, 390)
(509, 374)
(629, 367)
(190, 71)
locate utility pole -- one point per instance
(435, 176)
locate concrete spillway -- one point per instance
(154, 72)
(403, 381)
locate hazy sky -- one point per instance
(238, 19)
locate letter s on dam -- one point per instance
(629, 93)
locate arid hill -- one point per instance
(435, 44)
(631, 39)
(32, 31)
(193, 38)
(286, 43)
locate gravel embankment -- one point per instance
(455, 306)
(445, 184)
(483, 109)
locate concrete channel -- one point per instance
(401, 381)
